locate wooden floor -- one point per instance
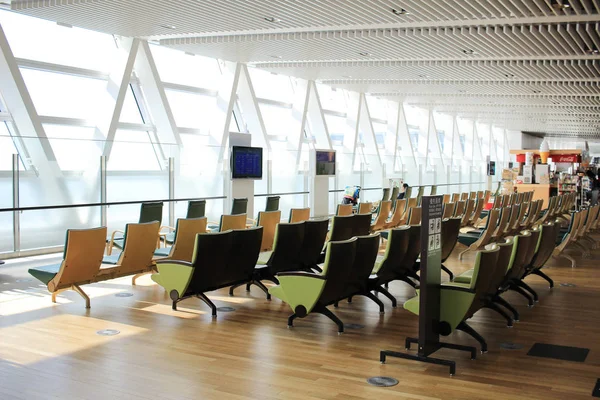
(52, 351)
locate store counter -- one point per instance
(540, 191)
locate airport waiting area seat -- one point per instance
(82, 259)
(195, 209)
(299, 215)
(149, 211)
(184, 234)
(220, 259)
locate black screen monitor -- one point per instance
(325, 163)
(246, 162)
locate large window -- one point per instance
(181, 68)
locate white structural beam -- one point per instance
(365, 124)
(404, 134)
(252, 115)
(228, 97)
(316, 119)
(156, 99)
(300, 103)
(39, 154)
(118, 84)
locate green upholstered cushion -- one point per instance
(384, 234)
(120, 243)
(118, 235)
(163, 252)
(467, 239)
(173, 277)
(465, 277)
(263, 258)
(298, 290)
(45, 273)
(112, 259)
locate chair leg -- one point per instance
(325, 311)
(388, 295)
(82, 294)
(529, 289)
(474, 334)
(291, 319)
(496, 307)
(261, 286)
(134, 278)
(568, 257)
(446, 270)
(543, 275)
(205, 299)
(376, 300)
(508, 306)
(409, 281)
(462, 253)
(231, 289)
(522, 293)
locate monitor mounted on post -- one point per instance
(246, 162)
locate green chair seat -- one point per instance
(170, 237)
(45, 273)
(467, 239)
(163, 252)
(465, 277)
(119, 243)
(263, 258)
(112, 259)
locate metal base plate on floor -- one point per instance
(108, 332)
(225, 309)
(382, 381)
(511, 346)
(353, 326)
(124, 294)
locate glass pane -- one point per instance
(271, 86)
(41, 40)
(332, 99)
(195, 111)
(74, 147)
(7, 148)
(279, 120)
(130, 112)
(61, 95)
(132, 151)
(175, 66)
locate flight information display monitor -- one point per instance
(246, 162)
(325, 160)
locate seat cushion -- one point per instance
(384, 234)
(163, 252)
(465, 277)
(170, 237)
(467, 239)
(45, 273)
(119, 243)
(112, 259)
(263, 258)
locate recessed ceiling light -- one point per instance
(276, 56)
(347, 76)
(468, 51)
(167, 26)
(272, 19)
(364, 54)
(560, 5)
(537, 91)
(462, 91)
(64, 24)
(401, 11)
(509, 75)
(593, 51)
(423, 76)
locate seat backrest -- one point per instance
(485, 263)
(196, 209)
(446, 199)
(505, 200)
(338, 262)
(210, 261)
(397, 215)
(245, 249)
(365, 208)
(504, 217)
(414, 248)
(343, 210)
(272, 203)
(268, 220)
(408, 192)
(383, 214)
(386, 194)
(151, 211)
(315, 234)
(448, 210)
(362, 224)
(414, 217)
(230, 222)
(472, 195)
(523, 208)
(239, 206)
(138, 249)
(342, 228)
(546, 246)
(498, 202)
(464, 196)
(450, 232)
(299, 214)
(433, 190)
(459, 210)
(185, 238)
(455, 197)
(477, 212)
(479, 194)
(466, 217)
(508, 250)
(287, 248)
(395, 251)
(82, 257)
(395, 192)
(514, 214)
(367, 248)
(525, 246)
(420, 194)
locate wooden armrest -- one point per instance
(170, 228)
(177, 262)
(112, 236)
(300, 273)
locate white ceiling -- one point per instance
(523, 64)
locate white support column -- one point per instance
(154, 91)
(365, 125)
(37, 154)
(118, 84)
(232, 85)
(299, 112)
(352, 118)
(433, 131)
(252, 114)
(404, 133)
(316, 118)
